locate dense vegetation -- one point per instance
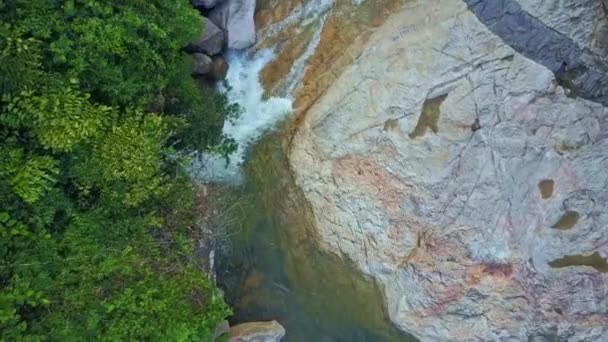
(95, 207)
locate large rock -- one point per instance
(211, 41)
(576, 52)
(579, 20)
(236, 18)
(201, 64)
(257, 332)
(219, 68)
(207, 4)
(457, 172)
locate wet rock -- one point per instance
(422, 163)
(201, 64)
(235, 17)
(219, 68)
(257, 332)
(314, 41)
(211, 41)
(254, 280)
(206, 4)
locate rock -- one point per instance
(257, 332)
(219, 68)
(158, 103)
(206, 4)
(235, 17)
(201, 64)
(423, 163)
(570, 38)
(253, 280)
(211, 41)
(222, 328)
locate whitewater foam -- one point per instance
(257, 118)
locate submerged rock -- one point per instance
(210, 42)
(235, 17)
(257, 332)
(442, 158)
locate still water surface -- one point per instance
(274, 270)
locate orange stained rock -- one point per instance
(344, 36)
(273, 11)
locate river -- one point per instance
(271, 267)
(274, 270)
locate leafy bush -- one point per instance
(95, 210)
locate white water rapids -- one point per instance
(257, 118)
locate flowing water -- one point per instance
(273, 269)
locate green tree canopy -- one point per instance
(95, 211)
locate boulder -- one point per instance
(235, 17)
(449, 164)
(219, 68)
(201, 64)
(222, 328)
(257, 332)
(211, 41)
(206, 4)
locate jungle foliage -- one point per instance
(95, 207)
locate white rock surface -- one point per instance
(235, 17)
(452, 222)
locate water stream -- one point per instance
(276, 271)
(273, 268)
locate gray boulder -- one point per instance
(205, 3)
(219, 68)
(235, 17)
(211, 41)
(257, 332)
(201, 64)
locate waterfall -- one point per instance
(258, 116)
